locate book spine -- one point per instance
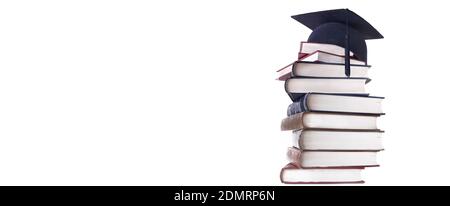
(302, 55)
(294, 156)
(294, 96)
(294, 122)
(298, 106)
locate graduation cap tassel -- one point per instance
(347, 45)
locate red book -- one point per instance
(285, 72)
(301, 55)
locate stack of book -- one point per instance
(332, 118)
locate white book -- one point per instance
(337, 140)
(326, 159)
(324, 120)
(308, 48)
(338, 159)
(292, 174)
(326, 85)
(322, 56)
(337, 103)
(319, 69)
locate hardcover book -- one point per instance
(297, 87)
(322, 64)
(337, 140)
(336, 103)
(310, 47)
(325, 120)
(322, 69)
(292, 174)
(332, 159)
(321, 56)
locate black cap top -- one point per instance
(340, 27)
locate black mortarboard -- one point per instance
(340, 27)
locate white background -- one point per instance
(183, 92)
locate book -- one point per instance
(337, 140)
(321, 56)
(336, 103)
(297, 87)
(309, 47)
(292, 174)
(320, 69)
(285, 72)
(328, 159)
(324, 120)
(301, 55)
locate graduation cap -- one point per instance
(340, 27)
